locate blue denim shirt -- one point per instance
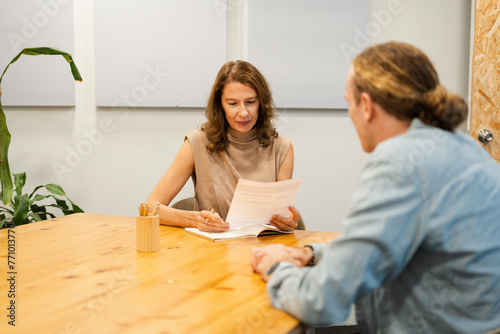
(421, 248)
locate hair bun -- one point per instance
(443, 109)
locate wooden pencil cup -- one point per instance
(148, 233)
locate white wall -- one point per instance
(123, 152)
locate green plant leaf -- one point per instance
(57, 190)
(5, 176)
(66, 211)
(21, 209)
(47, 51)
(23, 213)
(13, 203)
(62, 204)
(19, 182)
(40, 213)
(38, 198)
(35, 190)
(3, 221)
(5, 137)
(38, 208)
(36, 217)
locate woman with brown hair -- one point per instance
(237, 141)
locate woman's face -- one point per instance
(241, 106)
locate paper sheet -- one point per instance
(255, 203)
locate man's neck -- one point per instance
(388, 126)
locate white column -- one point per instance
(85, 100)
(237, 29)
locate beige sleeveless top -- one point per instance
(217, 173)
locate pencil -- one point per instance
(155, 211)
(208, 219)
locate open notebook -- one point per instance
(253, 205)
(238, 233)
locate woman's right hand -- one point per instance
(207, 221)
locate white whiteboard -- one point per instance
(296, 44)
(36, 80)
(156, 53)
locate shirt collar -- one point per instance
(243, 137)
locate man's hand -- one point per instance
(264, 257)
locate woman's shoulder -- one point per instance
(196, 134)
(282, 141)
(197, 138)
(281, 145)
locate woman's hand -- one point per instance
(286, 224)
(208, 221)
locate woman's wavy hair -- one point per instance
(216, 126)
(403, 81)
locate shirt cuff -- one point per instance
(272, 268)
(318, 250)
(312, 261)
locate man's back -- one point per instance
(450, 279)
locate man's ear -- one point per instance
(367, 105)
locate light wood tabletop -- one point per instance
(82, 274)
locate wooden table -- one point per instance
(82, 274)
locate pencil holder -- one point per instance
(148, 233)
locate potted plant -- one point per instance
(21, 208)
